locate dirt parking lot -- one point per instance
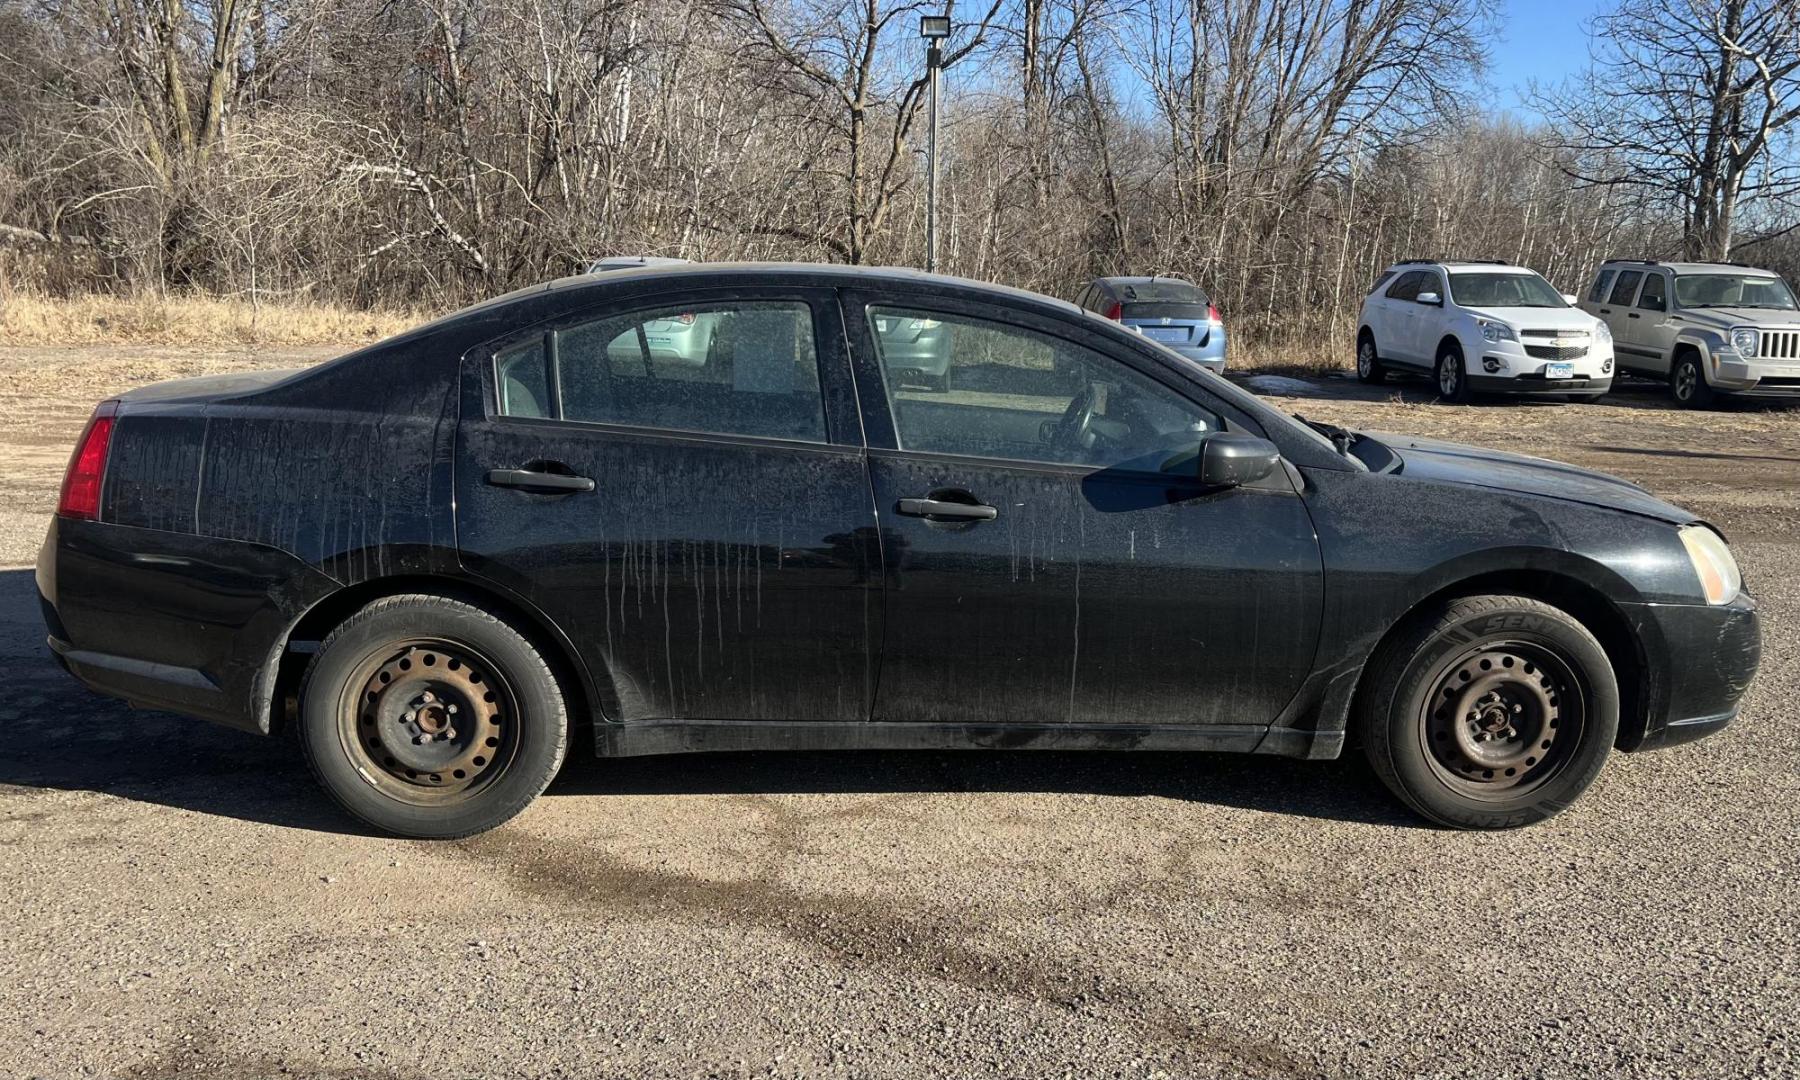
(179, 900)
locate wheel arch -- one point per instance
(297, 646)
(1585, 601)
(1453, 341)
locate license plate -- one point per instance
(1559, 371)
(1166, 333)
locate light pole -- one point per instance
(934, 29)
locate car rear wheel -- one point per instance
(1368, 361)
(1688, 385)
(1496, 712)
(1452, 380)
(429, 717)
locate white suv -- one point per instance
(1482, 327)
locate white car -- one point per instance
(1482, 327)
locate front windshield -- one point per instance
(1503, 290)
(1733, 290)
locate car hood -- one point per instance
(1723, 317)
(1538, 318)
(1430, 459)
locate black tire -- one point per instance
(1368, 360)
(1517, 685)
(1688, 385)
(1451, 376)
(381, 702)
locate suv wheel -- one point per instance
(1452, 380)
(429, 717)
(1494, 713)
(1368, 361)
(1688, 385)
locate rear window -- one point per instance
(1161, 291)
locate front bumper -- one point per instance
(1699, 660)
(1755, 378)
(1537, 384)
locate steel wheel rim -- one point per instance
(1503, 718)
(1365, 358)
(428, 721)
(1448, 375)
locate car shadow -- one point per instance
(1628, 392)
(67, 738)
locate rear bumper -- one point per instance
(1699, 662)
(172, 621)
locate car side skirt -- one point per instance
(700, 736)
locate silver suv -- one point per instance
(1709, 328)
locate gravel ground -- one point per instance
(178, 900)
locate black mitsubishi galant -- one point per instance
(696, 508)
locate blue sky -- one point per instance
(1538, 39)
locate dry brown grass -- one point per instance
(27, 319)
(1314, 357)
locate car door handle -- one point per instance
(943, 508)
(532, 480)
(1632, 315)
(1606, 311)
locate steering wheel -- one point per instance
(1074, 431)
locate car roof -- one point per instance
(1491, 266)
(725, 275)
(1694, 267)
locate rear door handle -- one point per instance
(1606, 311)
(941, 508)
(531, 480)
(1632, 315)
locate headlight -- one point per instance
(1743, 339)
(1602, 332)
(1718, 571)
(1497, 332)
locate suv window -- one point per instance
(1386, 276)
(1653, 298)
(728, 368)
(1407, 288)
(1021, 395)
(1625, 287)
(1598, 292)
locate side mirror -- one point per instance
(1571, 299)
(1429, 298)
(1228, 459)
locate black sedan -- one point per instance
(448, 556)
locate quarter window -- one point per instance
(730, 369)
(1625, 287)
(959, 385)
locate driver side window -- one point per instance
(959, 385)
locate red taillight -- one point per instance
(1116, 311)
(87, 467)
(1212, 313)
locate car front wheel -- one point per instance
(1688, 385)
(1494, 712)
(1368, 361)
(429, 717)
(1452, 380)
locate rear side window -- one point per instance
(1653, 298)
(726, 368)
(1625, 287)
(1598, 293)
